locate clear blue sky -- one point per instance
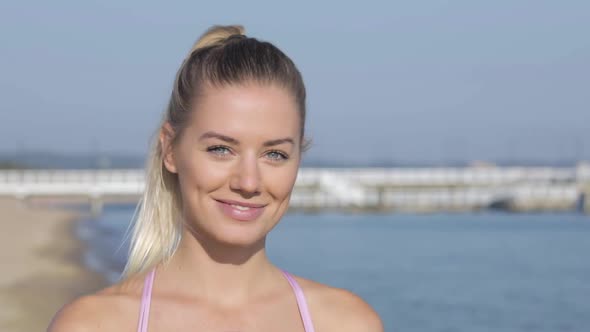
(405, 81)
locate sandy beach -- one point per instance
(41, 262)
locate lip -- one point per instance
(250, 205)
(254, 211)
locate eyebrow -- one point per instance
(231, 140)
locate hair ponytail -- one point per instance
(157, 228)
(217, 35)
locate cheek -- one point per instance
(281, 181)
(199, 176)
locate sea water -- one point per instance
(433, 272)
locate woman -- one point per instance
(219, 179)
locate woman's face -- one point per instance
(237, 161)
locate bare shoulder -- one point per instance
(82, 314)
(110, 309)
(339, 309)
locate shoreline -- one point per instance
(43, 265)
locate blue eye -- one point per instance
(219, 150)
(278, 156)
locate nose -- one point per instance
(246, 176)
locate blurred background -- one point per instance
(447, 183)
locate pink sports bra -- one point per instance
(146, 299)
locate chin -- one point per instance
(239, 233)
(232, 238)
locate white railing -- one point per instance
(322, 187)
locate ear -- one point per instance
(166, 137)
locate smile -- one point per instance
(240, 211)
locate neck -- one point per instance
(219, 273)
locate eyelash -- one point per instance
(212, 149)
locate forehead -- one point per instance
(247, 112)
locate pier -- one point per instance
(520, 189)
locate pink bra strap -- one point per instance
(146, 299)
(303, 310)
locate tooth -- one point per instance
(239, 207)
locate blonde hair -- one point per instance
(223, 55)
